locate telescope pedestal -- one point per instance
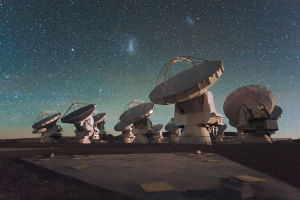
(128, 137)
(82, 139)
(95, 138)
(158, 138)
(219, 137)
(84, 130)
(253, 138)
(194, 114)
(139, 129)
(95, 135)
(140, 139)
(193, 134)
(47, 137)
(175, 135)
(174, 138)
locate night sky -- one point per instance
(54, 53)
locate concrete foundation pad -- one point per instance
(124, 173)
(247, 179)
(156, 187)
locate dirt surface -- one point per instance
(22, 180)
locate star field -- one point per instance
(54, 53)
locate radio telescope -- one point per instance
(127, 135)
(79, 114)
(157, 133)
(138, 116)
(98, 126)
(194, 106)
(45, 124)
(251, 109)
(175, 131)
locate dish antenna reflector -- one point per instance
(250, 109)
(194, 106)
(46, 119)
(120, 126)
(39, 130)
(192, 82)
(45, 123)
(276, 113)
(79, 114)
(98, 118)
(137, 113)
(233, 124)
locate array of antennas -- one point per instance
(166, 70)
(130, 104)
(44, 115)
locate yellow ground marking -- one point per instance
(81, 166)
(213, 161)
(156, 187)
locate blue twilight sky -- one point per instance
(54, 53)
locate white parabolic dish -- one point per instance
(39, 130)
(250, 96)
(137, 113)
(187, 84)
(47, 121)
(79, 114)
(171, 127)
(157, 127)
(232, 124)
(99, 117)
(122, 126)
(276, 113)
